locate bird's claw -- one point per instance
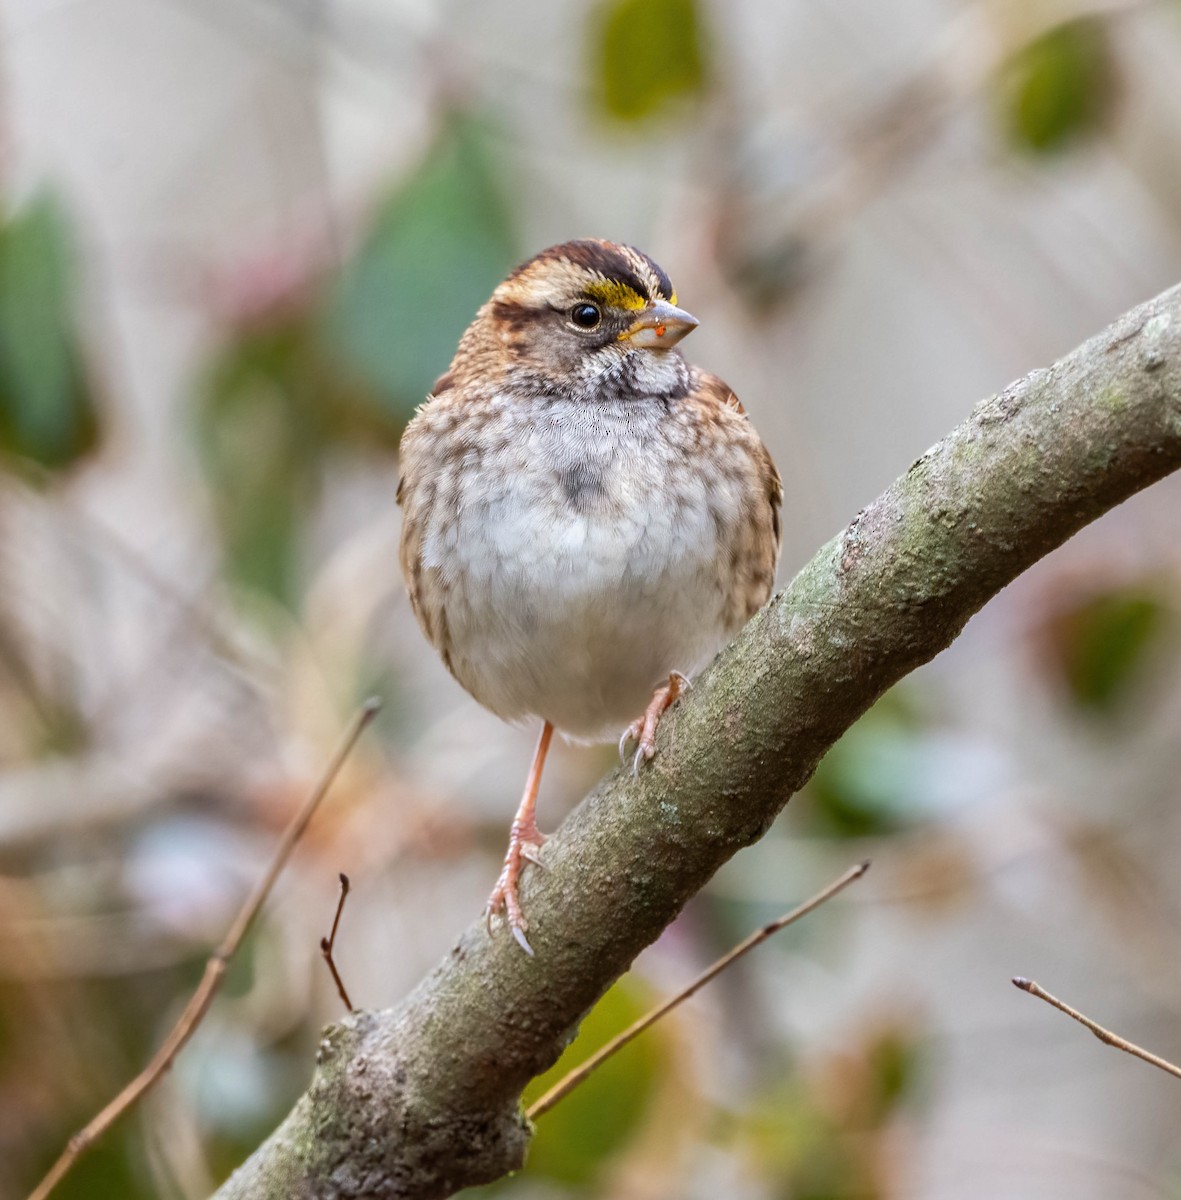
(517, 930)
(626, 736)
(630, 734)
(642, 730)
(513, 917)
(524, 846)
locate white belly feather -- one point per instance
(576, 578)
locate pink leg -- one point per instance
(525, 841)
(642, 730)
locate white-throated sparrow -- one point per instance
(585, 515)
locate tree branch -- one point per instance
(1104, 1035)
(422, 1100)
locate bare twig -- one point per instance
(215, 968)
(328, 944)
(567, 1084)
(1104, 1035)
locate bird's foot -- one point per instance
(525, 842)
(642, 730)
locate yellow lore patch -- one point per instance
(615, 295)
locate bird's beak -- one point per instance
(660, 326)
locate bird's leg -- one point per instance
(525, 842)
(642, 730)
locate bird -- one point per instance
(586, 517)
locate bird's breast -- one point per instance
(581, 564)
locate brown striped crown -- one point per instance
(620, 275)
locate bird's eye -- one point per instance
(585, 316)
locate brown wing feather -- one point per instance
(420, 493)
(755, 550)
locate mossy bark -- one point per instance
(422, 1100)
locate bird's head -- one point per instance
(584, 314)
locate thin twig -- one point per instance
(215, 968)
(328, 944)
(1104, 1035)
(569, 1082)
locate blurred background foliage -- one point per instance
(1059, 87)
(238, 241)
(48, 410)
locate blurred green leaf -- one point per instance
(48, 411)
(262, 427)
(1058, 87)
(800, 1149)
(272, 406)
(578, 1136)
(1103, 646)
(863, 785)
(896, 1063)
(815, 1134)
(646, 54)
(439, 245)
